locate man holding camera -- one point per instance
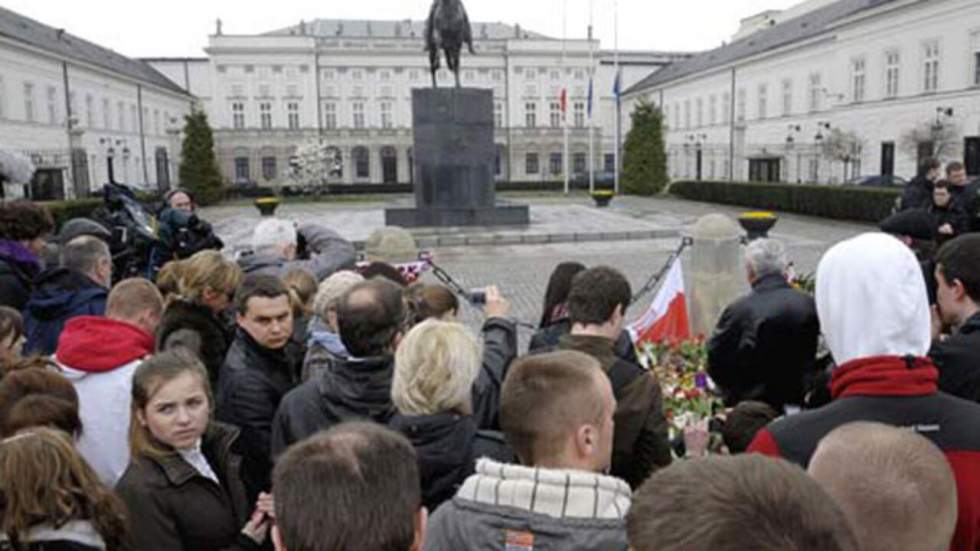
(182, 232)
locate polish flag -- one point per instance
(563, 98)
(666, 319)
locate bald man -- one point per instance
(894, 486)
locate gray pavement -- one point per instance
(522, 269)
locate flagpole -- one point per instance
(564, 105)
(591, 92)
(618, 93)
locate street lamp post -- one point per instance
(698, 140)
(791, 144)
(818, 142)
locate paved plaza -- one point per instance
(576, 231)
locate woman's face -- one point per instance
(36, 245)
(217, 301)
(179, 412)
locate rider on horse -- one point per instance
(447, 28)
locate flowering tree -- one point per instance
(315, 164)
(844, 146)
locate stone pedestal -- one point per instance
(717, 270)
(454, 162)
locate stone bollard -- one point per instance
(391, 244)
(717, 270)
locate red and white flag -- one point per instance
(666, 319)
(563, 100)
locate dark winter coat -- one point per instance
(918, 194)
(546, 339)
(967, 200)
(958, 360)
(74, 535)
(764, 346)
(188, 323)
(353, 389)
(60, 295)
(253, 381)
(499, 351)
(640, 443)
(18, 268)
(175, 508)
(448, 445)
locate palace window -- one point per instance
(387, 120)
(930, 70)
(787, 97)
(498, 114)
(52, 105)
(555, 164)
(269, 168)
(358, 110)
(816, 91)
(763, 101)
(265, 115)
(28, 102)
(238, 115)
(740, 105)
(292, 115)
(892, 61)
(530, 115)
(555, 115)
(531, 163)
(579, 109)
(330, 116)
(858, 79)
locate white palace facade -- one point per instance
(74, 108)
(902, 76)
(347, 85)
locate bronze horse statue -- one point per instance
(447, 28)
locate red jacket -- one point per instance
(865, 390)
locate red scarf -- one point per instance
(885, 376)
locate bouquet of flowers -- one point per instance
(681, 370)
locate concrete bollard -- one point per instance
(717, 270)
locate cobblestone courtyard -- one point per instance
(522, 269)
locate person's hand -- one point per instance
(266, 504)
(496, 306)
(936, 321)
(257, 527)
(696, 437)
(946, 229)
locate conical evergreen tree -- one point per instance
(644, 157)
(199, 172)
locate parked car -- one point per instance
(881, 180)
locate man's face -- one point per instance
(958, 177)
(269, 321)
(949, 298)
(940, 197)
(181, 201)
(933, 174)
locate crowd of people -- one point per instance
(291, 399)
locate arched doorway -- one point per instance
(389, 165)
(362, 163)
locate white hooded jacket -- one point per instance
(879, 309)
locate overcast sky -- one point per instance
(143, 28)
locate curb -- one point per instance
(431, 241)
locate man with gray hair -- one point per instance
(894, 486)
(279, 246)
(79, 287)
(765, 343)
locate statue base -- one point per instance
(454, 156)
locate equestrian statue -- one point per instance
(447, 28)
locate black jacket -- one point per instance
(499, 351)
(640, 440)
(546, 339)
(958, 360)
(59, 295)
(16, 282)
(175, 508)
(188, 323)
(918, 194)
(967, 200)
(448, 445)
(353, 389)
(765, 344)
(253, 381)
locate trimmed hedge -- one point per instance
(863, 204)
(62, 211)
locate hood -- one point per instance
(95, 344)
(871, 299)
(15, 253)
(444, 445)
(360, 387)
(60, 292)
(319, 334)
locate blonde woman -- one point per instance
(435, 367)
(206, 284)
